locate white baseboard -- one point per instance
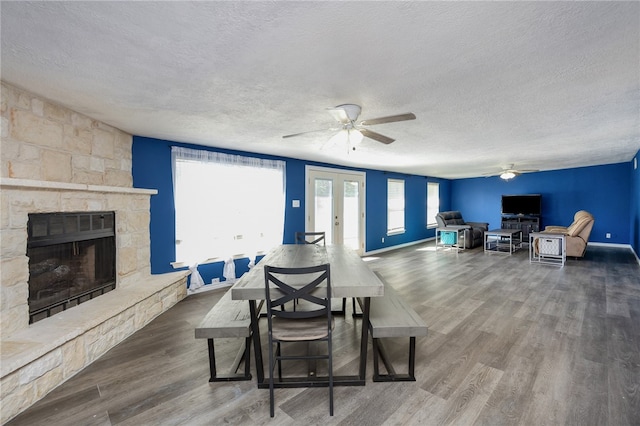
(610, 245)
(412, 243)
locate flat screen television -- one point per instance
(530, 204)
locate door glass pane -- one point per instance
(351, 214)
(323, 208)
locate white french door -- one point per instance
(335, 205)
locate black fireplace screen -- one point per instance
(72, 259)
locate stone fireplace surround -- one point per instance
(90, 171)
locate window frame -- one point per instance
(396, 230)
(247, 237)
(433, 224)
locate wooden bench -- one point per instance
(227, 319)
(390, 316)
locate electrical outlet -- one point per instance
(607, 235)
(215, 280)
(383, 239)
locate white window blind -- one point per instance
(226, 205)
(433, 203)
(395, 206)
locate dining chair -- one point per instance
(311, 322)
(318, 238)
(310, 238)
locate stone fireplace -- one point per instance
(58, 160)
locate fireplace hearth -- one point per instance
(72, 259)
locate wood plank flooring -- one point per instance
(510, 343)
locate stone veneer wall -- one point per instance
(56, 160)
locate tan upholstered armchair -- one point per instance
(577, 234)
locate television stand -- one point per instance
(524, 223)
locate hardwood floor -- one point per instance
(510, 343)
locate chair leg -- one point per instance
(271, 403)
(271, 386)
(330, 377)
(278, 353)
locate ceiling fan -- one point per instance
(351, 130)
(509, 173)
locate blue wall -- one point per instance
(610, 192)
(152, 169)
(415, 209)
(601, 190)
(634, 217)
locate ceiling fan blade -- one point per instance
(389, 119)
(310, 131)
(376, 136)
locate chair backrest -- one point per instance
(311, 284)
(310, 238)
(449, 218)
(582, 224)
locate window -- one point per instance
(226, 204)
(433, 203)
(395, 206)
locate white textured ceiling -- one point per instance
(542, 85)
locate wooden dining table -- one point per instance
(350, 277)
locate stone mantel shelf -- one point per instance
(63, 186)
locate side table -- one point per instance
(451, 236)
(548, 248)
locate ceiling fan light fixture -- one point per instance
(339, 139)
(507, 175)
(349, 138)
(355, 137)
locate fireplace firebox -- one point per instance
(72, 259)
